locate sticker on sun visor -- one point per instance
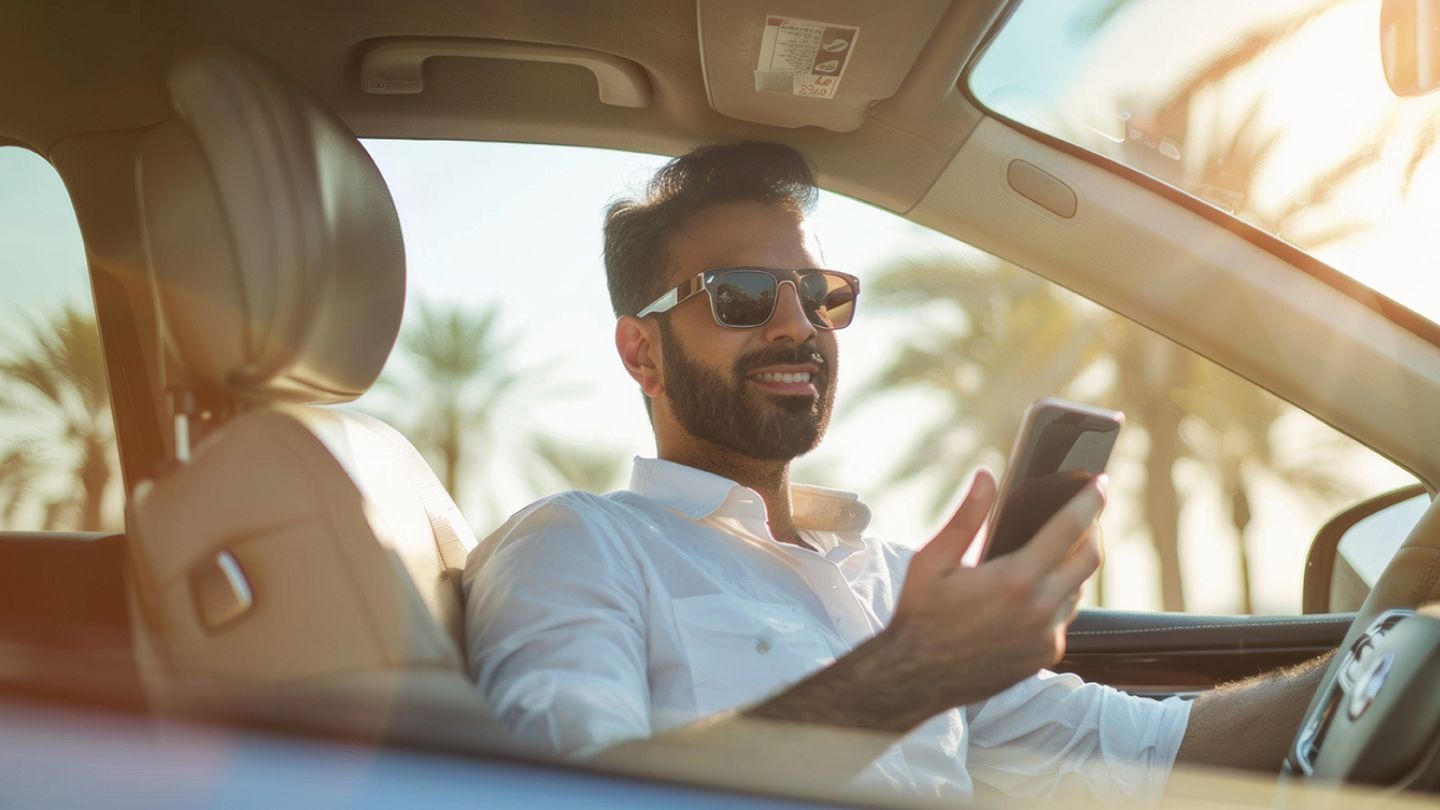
(803, 57)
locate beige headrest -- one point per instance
(273, 240)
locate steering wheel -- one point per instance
(1375, 719)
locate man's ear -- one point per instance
(637, 341)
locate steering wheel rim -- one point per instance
(1376, 686)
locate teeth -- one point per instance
(770, 376)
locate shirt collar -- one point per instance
(699, 494)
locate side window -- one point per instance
(506, 378)
(1218, 487)
(58, 465)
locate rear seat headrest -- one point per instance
(273, 242)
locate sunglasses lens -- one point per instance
(829, 300)
(744, 298)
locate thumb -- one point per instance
(945, 550)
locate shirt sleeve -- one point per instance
(554, 629)
(1055, 733)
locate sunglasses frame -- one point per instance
(704, 280)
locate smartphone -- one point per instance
(1061, 446)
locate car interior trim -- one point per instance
(1109, 630)
(1320, 560)
(396, 65)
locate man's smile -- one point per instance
(787, 380)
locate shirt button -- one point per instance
(762, 647)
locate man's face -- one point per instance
(738, 388)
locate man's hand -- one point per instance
(960, 634)
(982, 629)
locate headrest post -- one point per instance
(182, 406)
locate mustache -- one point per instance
(781, 355)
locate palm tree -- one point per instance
(58, 376)
(1237, 441)
(995, 337)
(18, 474)
(1222, 163)
(1225, 170)
(456, 373)
(461, 360)
(572, 465)
(1013, 333)
(458, 376)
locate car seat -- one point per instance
(296, 543)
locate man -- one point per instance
(713, 584)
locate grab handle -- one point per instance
(394, 65)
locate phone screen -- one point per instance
(1060, 448)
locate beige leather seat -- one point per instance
(297, 544)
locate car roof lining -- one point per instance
(100, 66)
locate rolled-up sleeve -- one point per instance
(1055, 733)
(554, 630)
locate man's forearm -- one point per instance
(829, 726)
(1250, 724)
(878, 687)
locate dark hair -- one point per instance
(637, 231)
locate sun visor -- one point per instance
(813, 62)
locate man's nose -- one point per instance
(789, 323)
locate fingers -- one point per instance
(1061, 587)
(1057, 539)
(1067, 597)
(1068, 610)
(944, 551)
(1082, 563)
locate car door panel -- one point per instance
(1173, 653)
(64, 622)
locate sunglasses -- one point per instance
(744, 297)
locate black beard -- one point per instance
(734, 415)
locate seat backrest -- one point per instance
(296, 542)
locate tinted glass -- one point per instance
(836, 305)
(744, 297)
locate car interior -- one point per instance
(293, 566)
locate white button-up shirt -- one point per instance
(595, 619)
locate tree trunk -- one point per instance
(450, 455)
(1162, 501)
(1149, 372)
(1240, 517)
(94, 476)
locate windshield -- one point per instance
(1276, 112)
